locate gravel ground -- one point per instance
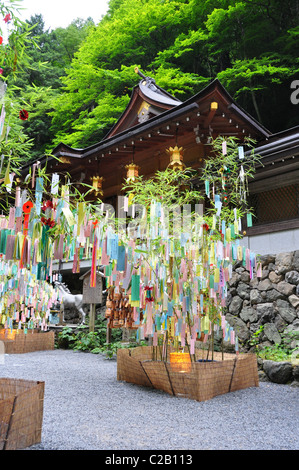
(86, 408)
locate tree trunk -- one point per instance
(255, 103)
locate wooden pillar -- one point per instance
(92, 316)
(61, 315)
(108, 335)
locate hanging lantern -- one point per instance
(132, 171)
(97, 182)
(176, 158)
(180, 362)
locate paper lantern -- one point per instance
(132, 171)
(176, 158)
(180, 362)
(97, 182)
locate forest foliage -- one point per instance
(79, 79)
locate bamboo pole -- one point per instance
(188, 318)
(222, 346)
(208, 349)
(188, 347)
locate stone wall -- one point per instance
(271, 301)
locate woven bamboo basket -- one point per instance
(17, 342)
(199, 381)
(21, 413)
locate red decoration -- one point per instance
(49, 222)
(149, 297)
(23, 115)
(26, 209)
(7, 18)
(1, 39)
(47, 205)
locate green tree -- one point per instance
(256, 38)
(15, 42)
(249, 45)
(40, 83)
(96, 86)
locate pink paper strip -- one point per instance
(11, 219)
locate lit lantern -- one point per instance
(180, 362)
(176, 158)
(132, 171)
(97, 182)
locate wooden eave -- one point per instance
(184, 124)
(142, 93)
(279, 156)
(228, 120)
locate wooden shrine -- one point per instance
(168, 122)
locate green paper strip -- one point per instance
(244, 257)
(135, 289)
(232, 231)
(108, 270)
(249, 220)
(3, 236)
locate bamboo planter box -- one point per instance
(21, 413)
(17, 342)
(199, 380)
